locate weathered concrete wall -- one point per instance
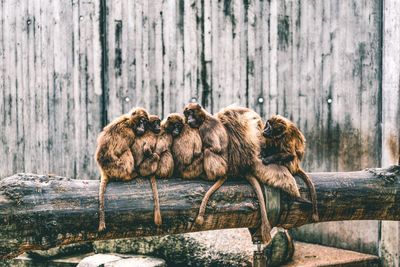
(68, 67)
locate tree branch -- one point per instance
(40, 212)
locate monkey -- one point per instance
(244, 127)
(163, 148)
(186, 148)
(215, 150)
(147, 161)
(282, 151)
(113, 153)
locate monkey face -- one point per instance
(194, 115)
(141, 126)
(174, 124)
(275, 127)
(139, 120)
(154, 124)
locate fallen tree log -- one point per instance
(40, 212)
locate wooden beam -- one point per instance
(40, 212)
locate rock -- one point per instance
(116, 260)
(137, 261)
(281, 249)
(65, 250)
(98, 260)
(232, 247)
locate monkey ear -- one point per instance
(198, 105)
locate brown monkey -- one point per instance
(283, 148)
(146, 160)
(244, 128)
(165, 167)
(186, 148)
(113, 153)
(215, 149)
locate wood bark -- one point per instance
(40, 212)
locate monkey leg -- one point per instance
(277, 176)
(203, 205)
(102, 190)
(214, 165)
(313, 193)
(149, 165)
(265, 227)
(166, 165)
(194, 170)
(157, 212)
(123, 170)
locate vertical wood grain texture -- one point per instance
(50, 106)
(67, 67)
(390, 231)
(329, 67)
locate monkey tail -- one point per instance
(312, 193)
(102, 191)
(265, 227)
(157, 212)
(276, 176)
(203, 205)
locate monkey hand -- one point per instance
(147, 150)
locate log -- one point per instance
(41, 211)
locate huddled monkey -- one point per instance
(244, 128)
(282, 151)
(163, 149)
(113, 154)
(215, 149)
(186, 148)
(147, 161)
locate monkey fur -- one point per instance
(215, 149)
(147, 161)
(113, 154)
(244, 128)
(283, 149)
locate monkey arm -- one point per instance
(197, 149)
(279, 158)
(213, 144)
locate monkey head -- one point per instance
(276, 127)
(173, 124)
(154, 124)
(194, 115)
(139, 119)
